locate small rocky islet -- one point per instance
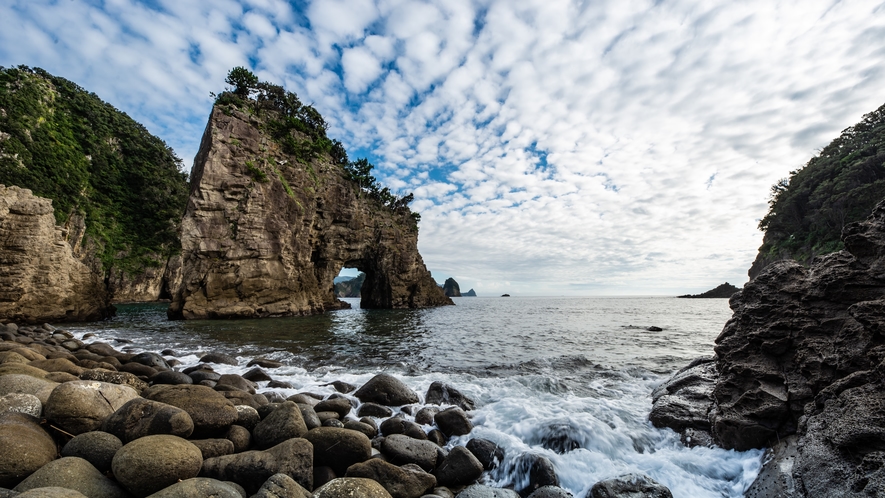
(84, 419)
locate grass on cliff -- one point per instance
(94, 161)
(842, 184)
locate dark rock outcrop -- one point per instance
(470, 293)
(725, 290)
(265, 234)
(451, 288)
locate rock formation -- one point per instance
(803, 354)
(265, 232)
(725, 290)
(42, 280)
(451, 288)
(470, 293)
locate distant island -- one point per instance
(470, 293)
(451, 288)
(505, 295)
(725, 290)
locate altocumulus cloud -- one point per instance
(554, 146)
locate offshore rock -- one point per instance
(265, 233)
(40, 278)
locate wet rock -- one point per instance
(96, 447)
(338, 448)
(220, 358)
(305, 398)
(425, 415)
(453, 422)
(561, 436)
(211, 448)
(628, 486)
(489, 454)
(685, 400)
(210, 411)
(285, 422)
(437, 437)
(26, 448)
(202, 374)
(539, 469)
(482, 491)
(137, 369)
(251, 469)
(341, 406)
(373, 410)
(401, 449)
(237, 382)
(459, 468)
(440, 393)
(366, 429)
(21, 403)
(240, 437)
(654, 328)
(264, 363)
(281, 486)
(280, 384)
(355, 487)
(111, 377)
(256, 375)
(73, 473)
(83, 405)
(152, 360)
(398, 481)
(151, 463)
(397, 425)
(247, 416)
(557, 492)
(200, 487)
(776, 479)
(386, 390)
(142, 417)
(311, 419)
(342, 387)
(171, 377)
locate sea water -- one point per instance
(547, 373)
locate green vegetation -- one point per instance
(94, 161)
(301, 132)
(840, 185)
(256, 173)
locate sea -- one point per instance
(540, 369)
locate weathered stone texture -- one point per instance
(40, 279)
(270, 243)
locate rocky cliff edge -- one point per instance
(265, 232)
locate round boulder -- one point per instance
(83, 405)
(483, 491)
(487, 452)
(73, 473)
(459, 468)
(338, 448)
(554, 492)
(142, 417)
(210, 411)
(17, 383)
(629, 485)
(96, 447)
(398, 481)
(281, 486)
(351, 487)
(171, 377)
(21, 403)
(26, 448)
(199, 487)
(386, 390)
(453, 422)
(285, 422)
(151, 463)
(51, 492)
(251, 469)
(401, 449)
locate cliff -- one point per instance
(273, 217)
(42, 280)
(799, 367)
(841, 185)
(451, 288)
(350, 287)
(725, 290)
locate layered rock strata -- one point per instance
(42, 280)
(803, 354)
(265, 233)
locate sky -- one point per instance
(554, 147)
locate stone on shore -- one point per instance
(400, 482)
(15, 383)
(83, 405)
(459, 468)
(281, 486)
(25, 448)
(142, 417)
(285, 422)
(401, 449)
(387, 390)
(215, 447)
(251, 469)
(487, 452)
(73, 473)
(629, 485)
(151, 463)
(557, 492)
(483, 491)
(21, 403)
(210, 411)
(50, 492)
(351, 487)
(200, 487)
(453, 422)
(96, 447)
(338, 448)
(440, 393)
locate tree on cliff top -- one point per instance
(842, 184)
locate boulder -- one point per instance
(251, 469)
(215, 447)
(539, 469)
(440, 393)
(686, 399)
(351, 487)
(110, 377)
(200, 487)
(373, 410)
(459, 468)
(171, 377)
(219, 358)
(365, 428)
(152, 463)
(264, 363)
(142, 417)
(401, 449)
(50, 492)
(57, 365)
(556, 492)
(489, 454)
(96, 447)
(453, 422)
(26, 384)
(398, 425)
(285, 422)
(629, 486)
(248, 416)
(83, 405)
(26, 448)
(483, 491)
(210, 411)
(341, 406)
(281, 486)
(237, 382)
(240, 437)
(338, 448)
(425, 415)
(311, 419)
(400, 482)
(257, 375)
(73, 473)
(387, 390)
(21, 403)
(152, 360)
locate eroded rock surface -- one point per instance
(265, 233)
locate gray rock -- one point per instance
(353, 487)
(142, 417)
(220, 358)
(776, 479)
(251, 469)
(539, 469)
(13, 383)
(51, 492)
(237, 382)
(685, 400)
(152, 463)
(386, 390)
(83, 405)
(453, 422)
(373, 410)
(281, 486)
(73, 473)
(398, 481)
(311, 419)
(440, 393)
(264, 363)
(629, 486)
(459, 468)
(550, 492)
(338, 405)
(111, 377)
(240, 437)
(211, 448)
(171, 377)
(210, 411)
(21, 403)
(285, 422)
(152, 360)
(200, 487)
(247, 416)
(487, 452)
(482, 491)
(366, 429)
(425, 415)
(26, 447)
(398, 425)
(96, 447)
(401, 449)
(257, 375)
(338, 448)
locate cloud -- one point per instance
(554, 146)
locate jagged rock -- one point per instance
(151, 463)
(26, 448)
(386, 390)
(440, 393)
(73, 473)
(685, 400)
(400, 482)
(251, 469)
(41, 279)
(254, 248)
(629, 486)
(200, 487)
(96, 447)
(356, 487)
(338, 448)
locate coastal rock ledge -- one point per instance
(799, 368)
(42, 279)
(266, 232)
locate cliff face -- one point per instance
(451, 288)
(42, 280)
(265, 233)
